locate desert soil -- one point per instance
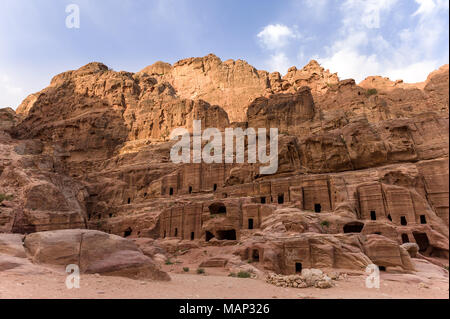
(427, 282)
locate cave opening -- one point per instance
(422, 241)
(403, 221)
(171, 191)
(353, 227)
(382, 268)
(217, 208)
(127, 232)
(280, 198)
(405, 238)
(317, 208)
(250, 223)
(298, 267)
(255, 255)
(129, 200)
(192, 235)
(176, 232)
(190, 189)
(215, 187)
(373, 215)
(423, 219)
(389, 217)
(226, 234)
(263, 200)
(208, 236)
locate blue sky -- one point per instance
(401, 39)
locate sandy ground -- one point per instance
(428, 282)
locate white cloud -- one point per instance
(276, 36)
(361, 50)
(416, 72)
(349, 63)
(278, 62)
(9, 93)
(425, 7)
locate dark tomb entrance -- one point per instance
(422, 241)
(217, 208)
(226, 234)
(403, 221)
(317, 208)
(353, 227)
(423, 219)
(255, 255)
(208, 236)
(127, 232)
(405, 238)
(280, 198)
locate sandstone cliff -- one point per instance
(92, 151)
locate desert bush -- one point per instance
(200, 271)
(169, 262)
(5, 197)
(325, 223)
(244, 274)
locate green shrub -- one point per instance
(200, 271)
(186, 269)
(325, 223)
(5, 197)
(169, 262)
(371, 92)
(244, 274)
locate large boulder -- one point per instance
(93, 251)
(387, 253)
(411, 248)
(11, 245)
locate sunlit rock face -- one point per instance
(362, 168)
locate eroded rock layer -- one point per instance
(362, 168)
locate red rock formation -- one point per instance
(92, 151)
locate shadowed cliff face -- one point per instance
(92, 151)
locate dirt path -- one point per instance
(191, 286)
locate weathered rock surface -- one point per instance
(93, 252)
(363, 168)
(411, 248)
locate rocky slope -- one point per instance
(363, 168)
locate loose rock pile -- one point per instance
(308, 278)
